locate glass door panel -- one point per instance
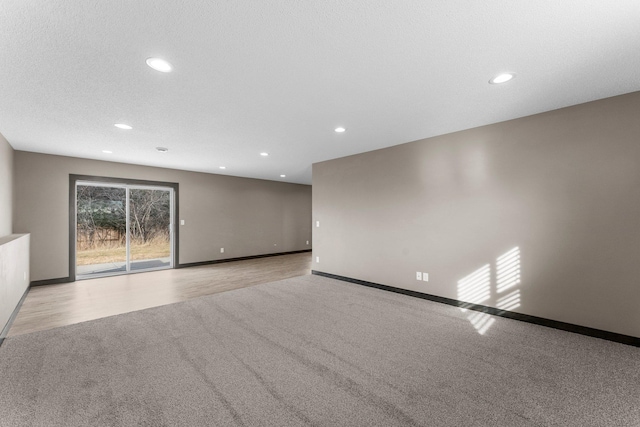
(149, 228)
(101, 243)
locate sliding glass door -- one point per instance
(122, 228)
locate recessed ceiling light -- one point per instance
(264, 154)
(502, 78)
(107, 151)
(159, 65)
(283, 176)
(340, 129)
(162, 149)
(223, 167)
(123, 126)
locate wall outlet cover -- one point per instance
(419, 275)
(425, 277)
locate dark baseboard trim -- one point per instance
(190, 264)
(13, 316)
(51, 281)
(569, 327)
(219, 261)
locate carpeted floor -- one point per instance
(314, 351)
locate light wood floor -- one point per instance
(51, 306)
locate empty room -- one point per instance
(323, 213)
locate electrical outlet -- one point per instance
(182, 222)
(317, 259)
(317, 223)
(425, 277)
(221, 250)
(419, 275)
(307, 242)
(25, 275)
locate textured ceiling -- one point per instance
(279, 76)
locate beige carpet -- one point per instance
(314, 351)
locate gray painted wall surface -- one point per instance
(6, 187)
(244, 216)
(563, 187)
(14, 274)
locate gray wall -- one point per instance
(6, 187)
(245, 216)
(14, 275)
(563, 187)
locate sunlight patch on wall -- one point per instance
(476, 287)
(510, 301)
(508, 270)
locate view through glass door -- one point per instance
(122, 229)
